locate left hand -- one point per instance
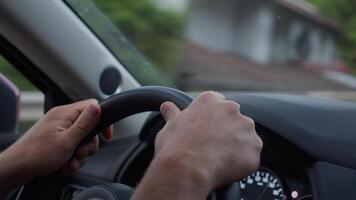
(51, 142)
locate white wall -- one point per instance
(258, 30)
(328, 49)
(315, 45)
(211, 24)
(258, 35)
(174, 5)
(287, 33)
(232, 26)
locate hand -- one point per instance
(207, 145)
(51, 142)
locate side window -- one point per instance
(29, 101)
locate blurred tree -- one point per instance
(344, 12)
(156, 33)
(11, 73)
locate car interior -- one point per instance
(9, 111)
(309, 142)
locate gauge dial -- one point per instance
(260, 185)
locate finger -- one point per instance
(77, 106)
(71, 112)
(80, 105)
(87, 149)
(85, 123)
(108, 133)
(169, 110)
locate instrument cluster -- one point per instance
(264, 184)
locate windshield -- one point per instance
(272, 45)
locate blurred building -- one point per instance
(255, 45)
(266, 31)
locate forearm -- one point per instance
(12, 173)
(172, 179)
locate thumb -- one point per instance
(86, 122)
(169, 110)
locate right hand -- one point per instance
(211, 138)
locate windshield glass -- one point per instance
(272, 45)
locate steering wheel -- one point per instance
(118, 107)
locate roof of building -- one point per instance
(306, 9)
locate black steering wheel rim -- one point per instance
(127, 103)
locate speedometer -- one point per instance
(260, 185)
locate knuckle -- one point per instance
(254, 162)
(54, 110)
(82, 126)
(206, 96)
(73, 114)
(232, 107)
(249, 121)
(259, 144)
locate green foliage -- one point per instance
(12, 74)
(154, 32)
(343, 12)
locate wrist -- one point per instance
(176, 175)
(13, 172)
